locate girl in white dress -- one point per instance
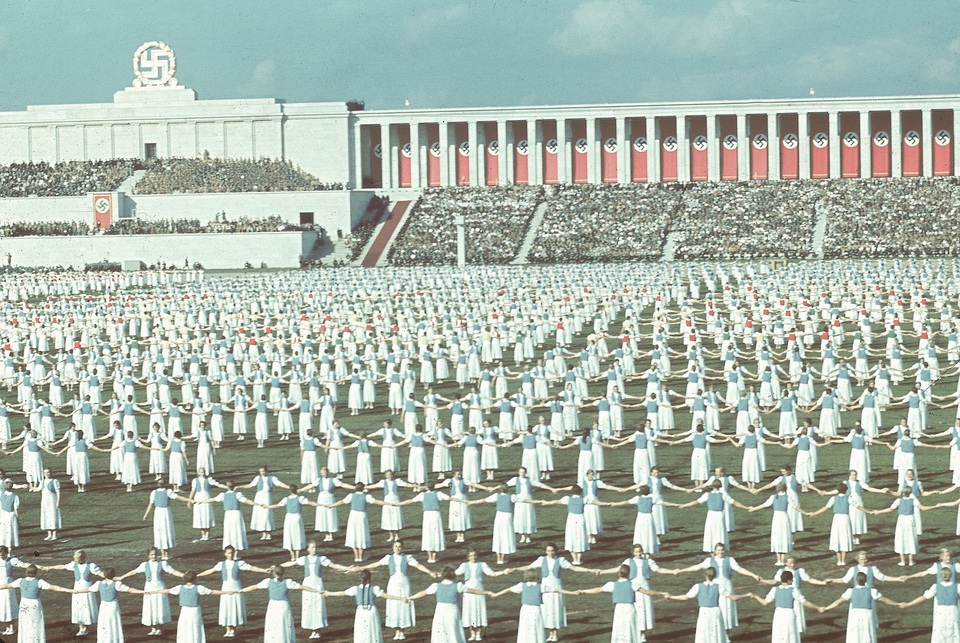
(314, 607)
(32, 623)
(278, 621)
(366, 622)
(190, 622)
(474, 613)
(109, 624)
(200, 492)
(233, 607)
(530, 623)
(946, 620)
(625, 594)
(446, 626)
(156, 606)
(400, 614)
(49, 505)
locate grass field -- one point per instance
(107, 523)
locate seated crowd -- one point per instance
(745, 220)
(271, 223)
(603, 223)
(73, 178)
(181, 175)
(892, 218)
(496, 220)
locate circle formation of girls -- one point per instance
(819, 345)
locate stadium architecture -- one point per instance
(385, 151)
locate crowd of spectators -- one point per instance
(728, 220)
(272, 223)
(220, 224)
(45, 229)
(604, 223)
(182, 175)
(72, 178)
(496, 220)
(903, 217)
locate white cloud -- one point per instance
(262, 82)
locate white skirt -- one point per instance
(575, 534)
(358, 530)
(366, 626)
(234, 530)
(400, 614)
(841, 533)
(190, 626)
(313, 614)
(278, 623)
(504, 538)
(156, 607)
(446, 627)
(164, 535)
(294, 535)
(530, 625)
(110, 626)
(233, 607)
(432, 533)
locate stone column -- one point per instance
(743, 148)
(866, 146)
(502, 161)
(773, 147)
(623, 150)
(834, 135)
(386, 156)
(683, 149)
(475, 153)
(713, 149)
(445, 153)
(896, 143)
(415, 162)
(926, 138)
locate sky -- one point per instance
(448, 53)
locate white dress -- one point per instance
(366, 622)
(399, 614)
(625, 628)
(446, 626)
(110, 623)
(554, 608)
(233, 607)
(278, 621)
(32, 625)
(474, 611)
(83, 606)
(530, 624)
(946, 624)
(190, 622)
(156, 607)
(313, 606)
(861, 627)
(711, 627)
(49, 511)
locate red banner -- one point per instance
(638, 149)
(728, 147)
(549, 152)
(462, 138)
(759, 148)
(376, 158)
(880, 144)
(698, 148)
(521, 153)
(849, 145)
(433, 154)
(491, 154)
(942, 142)
(789, 147)
(404, 155)
(912, 144)
(819, 146)
(609, 148)
(102, 211)
(581, 150)
(668, 148)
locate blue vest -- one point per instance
(645, 504)
(230, 501)
(714, 501)
(708, 595)
(780, 502)
(841, 505)
(861, 598)
(189, 596)
(623, 592)
(358, 502)
(430, 502)
(784, 598)
(278, 590)
(546, 568)
(504, 503)
(108, 592)
(81, 571)
(364, 596)
(905, 508)
(404, 565)
(30, 588)
(230, 570)
(530, 594)
(946, 594)
(575, 505)
(148, 572)
(312, 566)
(292, 504)
(447, 593)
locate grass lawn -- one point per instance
(107, 523)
